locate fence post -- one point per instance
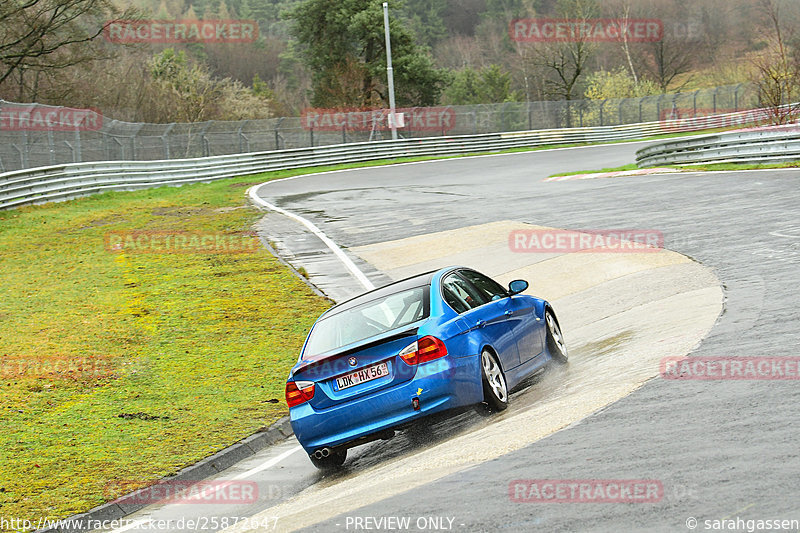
(694, 103)
(121, 149)
(51, 147)
(530, 116)
(622, 100)
(25, 153)
(78, 147)
(206, 149)
(240, 136)
(569, 114)
(106, 147)
(344, 134)
(27, 139)
(715, 99)
(165, 139)
(736, 98)
(134, 153)
(311, 135)
(78, 154)
(602, 104)
(21, 156)
(641, 101)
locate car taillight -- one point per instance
(423, 350)
(298, 392)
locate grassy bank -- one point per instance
(120, 365)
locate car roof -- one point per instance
(420, 280)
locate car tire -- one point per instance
(495, 389)
(555, 339)
(332, 462)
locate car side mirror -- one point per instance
(517, 286)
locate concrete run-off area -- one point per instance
(621, 314)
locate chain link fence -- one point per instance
(35, 135)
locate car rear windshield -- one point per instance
(368, 320)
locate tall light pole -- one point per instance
(389, 72)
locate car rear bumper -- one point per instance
(440, 385)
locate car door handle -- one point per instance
(509, 312)
(480, 324)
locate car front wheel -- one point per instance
(495, 391)
(555, 340)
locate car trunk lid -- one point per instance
(358, 369)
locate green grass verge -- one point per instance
(632, 166)
(691, 168)
(194, 348)
(735, 166)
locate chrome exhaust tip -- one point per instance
(321, 453)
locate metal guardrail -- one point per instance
(85, 135)
(72, 180)
(769, 145)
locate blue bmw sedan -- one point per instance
(434, 342)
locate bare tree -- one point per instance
(625, 44)
(46, 35)
(674, 54)
(565, 62)
(777, 69)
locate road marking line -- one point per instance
(348, 263)
(263, 466)
(131, 525)
(266, 464)
(252, 192)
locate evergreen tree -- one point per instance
(345, 49)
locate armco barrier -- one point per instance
(72, 180)
(767, 145)
(35, 135)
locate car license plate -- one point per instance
(360, 376)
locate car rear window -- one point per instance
(368, 320)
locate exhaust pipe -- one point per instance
(322, 453)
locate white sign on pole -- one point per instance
(397, 120)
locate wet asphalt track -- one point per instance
(721, 449)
